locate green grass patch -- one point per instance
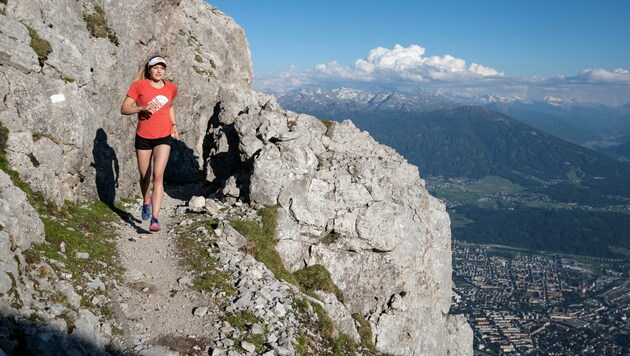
(365, 331)
(261, 245)
(41, 47)
(70, 229)
(341, 344)
(194, 255)
(83, 229)
(316, 277)
(344, 345)
(242, 321)
(575, 175)
(96, 23)
(301, 345)
(262, 242)
(496, 184)
(117, 330)
(325, 325)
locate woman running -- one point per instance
(151, 97)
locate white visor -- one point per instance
(157, 60)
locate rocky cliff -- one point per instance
(344, 201)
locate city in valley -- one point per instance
(519, 302)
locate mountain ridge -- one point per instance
(594, 126)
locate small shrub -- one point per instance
(327, 122)
(4, 137)
(331, 238)
(198, 58)
(41, 47)
(38, 136)
(68, 79)
(96, 24)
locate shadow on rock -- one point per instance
(28, 338)
(182, 177)
(107, 173)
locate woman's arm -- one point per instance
(128, 107)
(175, 132)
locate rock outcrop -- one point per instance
(360, 210)
(345, 202)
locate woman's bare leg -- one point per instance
(160, 158)
(144, 168)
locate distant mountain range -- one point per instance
(602, 128)
(346, 102)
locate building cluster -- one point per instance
(521, 303)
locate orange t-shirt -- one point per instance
(158, 124)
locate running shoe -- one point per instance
(155, 225)
(146, 209)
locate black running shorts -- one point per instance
(150, 143)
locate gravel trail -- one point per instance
(155, 303)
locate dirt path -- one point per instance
(155, 304)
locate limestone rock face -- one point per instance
(80, 146)
(18, 220)
(360, 210)
(19, 228)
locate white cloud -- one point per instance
(399, 65)
(406, 67)
(602, 76)
(406, 64)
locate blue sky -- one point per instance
(568, 49)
